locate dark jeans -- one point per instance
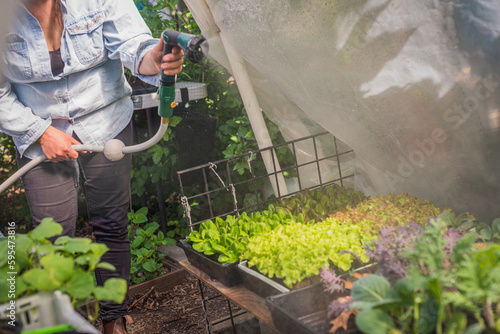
(52, 191)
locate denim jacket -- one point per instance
(91, 97)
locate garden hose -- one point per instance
(195, 48)
(114, 150)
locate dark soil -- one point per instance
(176, 311)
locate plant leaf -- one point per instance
(474, 329)
(106, 265)
(152, 266)
(369, 290)
(47, 228)
(80, 285)
(457, 323)
(114, 289)
(137, 242)
(4, 251)
(39, 279)
(374, 321)
(80, 245)
(99, 249)
(168, 242)
(60, 268)
(495, 225)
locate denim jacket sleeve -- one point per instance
(100, 37)
(18, 121)
(127, 37)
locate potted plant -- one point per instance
(59, 274)
(216, 247)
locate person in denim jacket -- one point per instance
(63, 83)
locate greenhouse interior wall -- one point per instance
(411, 86)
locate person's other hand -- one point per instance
(56, 145)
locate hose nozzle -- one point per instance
(195, 48)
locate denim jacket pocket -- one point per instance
(17, 63)
(86, 36)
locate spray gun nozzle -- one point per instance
(195, 48)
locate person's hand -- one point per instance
(56, 145)
(152, 62)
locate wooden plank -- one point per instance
(161, 283)
(245, 298)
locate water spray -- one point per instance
(195, 48)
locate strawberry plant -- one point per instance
(67, 265)
(145, 240)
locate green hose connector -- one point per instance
(166, 101)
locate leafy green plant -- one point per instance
(447, 290)
(320, 203)
(67, 265)
(296, 251)
(391, 209)
(145, 240)
(478, 287)
(293, 252)
(177, 229)
(486, 232)
(240, 139)
(229, 237)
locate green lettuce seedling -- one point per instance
(229, 237)
(296, 251)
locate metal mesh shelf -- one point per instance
(223, 189)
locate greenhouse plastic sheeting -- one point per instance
(413, 86)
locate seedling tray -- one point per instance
(303, 311)
(48, 312)
(227, 274)
(258, 283)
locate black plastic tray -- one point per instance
(258, 283)
(303, 311)
(227, 274)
